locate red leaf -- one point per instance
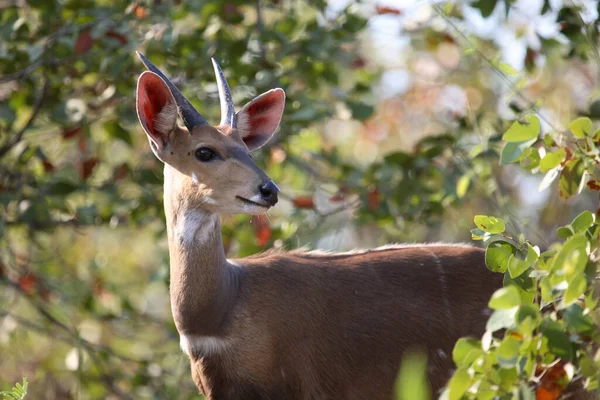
(44, 293)
(552, 383)
(27, 283)
(120, 172)
(118, 36)
(359, 62)
(82, 144)
(305, 202)
(379, 9)
(140, 12)
(87, 167)
(48, 167)
(84, 42)
(262, 230)
(339, 196)
(593, 185)
(373, 199)
(71, 132)
(568, 157)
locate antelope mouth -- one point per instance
(247, 201)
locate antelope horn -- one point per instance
(228, 116)
(191, 117)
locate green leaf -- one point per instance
(507, 69)
(507, 353)
(466, 351)
(576, 288)
(517, 265)
(459, 384)
(412, 380)
(304, 114)
(512, 151)
(525, 286)
(528, 311)
(552, 160)
(564, 232)
(501, 319)
(478, 234)
(573, 256)
(530, 159)
(505, 298)
(522, 131)
(558, 340)
(361, 111)
(576, 320)
(489, 224)
(485, 6)
(571, 179)
(62, 188)
(581, 127)
(583, 221)
(463, 185)
(116, 131)
(497, 255)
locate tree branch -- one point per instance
(11, 142)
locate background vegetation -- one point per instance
(404, 119)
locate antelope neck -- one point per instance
(203, 284)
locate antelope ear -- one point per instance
(258, 119)
(156, 110)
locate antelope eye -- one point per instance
(205, 154)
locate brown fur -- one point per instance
(296, 325)
(328, 327)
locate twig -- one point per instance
(10, 143)
(261, 30)
(494, 68)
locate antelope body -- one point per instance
(292, 325)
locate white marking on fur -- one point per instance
(203, 345)
(166, 118)
(257, 198)
(195, 226)
(243, 123)
(395, 246)
(209, 200)
(195, 178)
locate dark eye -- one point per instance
(205, 154)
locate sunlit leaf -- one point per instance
(523, 130)
(505, 298)
(466, 350)
(489, 224)
(459, 383)
(581, 127)
(412, 381)
(497, 255)
(571, 179)
(512, 151)
(552, 160)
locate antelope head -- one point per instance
(215, 171)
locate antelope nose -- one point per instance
(268, 192)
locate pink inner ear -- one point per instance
(261, 118)
(152, 97)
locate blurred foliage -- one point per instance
(547, 312)
(18, 392)
(84, 309)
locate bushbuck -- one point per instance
(296, 324)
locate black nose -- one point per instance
(268, 192)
